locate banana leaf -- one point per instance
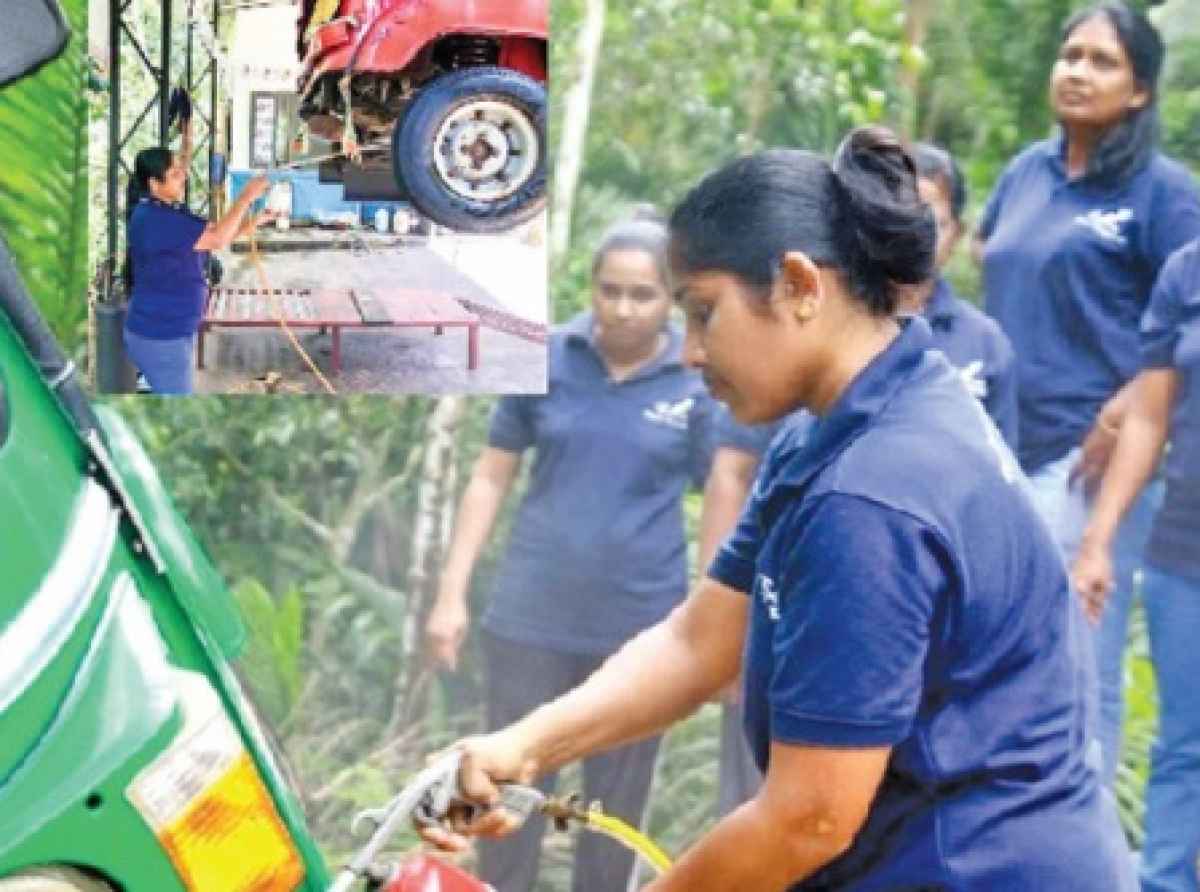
(43, 182)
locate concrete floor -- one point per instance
(388, 360)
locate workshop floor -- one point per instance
(500, 278)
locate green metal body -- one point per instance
(90, 703)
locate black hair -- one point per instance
(645, 230)
(935, 163)
(861, 214)
(1128, 146)
(150, 164)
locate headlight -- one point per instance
(208, 806)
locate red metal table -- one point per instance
(335, 309)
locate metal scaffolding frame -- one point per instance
(196, 72)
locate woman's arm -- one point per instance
(1098, 445)
(222, 233)
(812, 804)
(659, 676)
(185, 145)
(1143, 434)
(490, 482)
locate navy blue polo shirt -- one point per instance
(1068, 269)
(1171, 339)
(168, 273)
(975, 345)
(597, 551)
(907, 594)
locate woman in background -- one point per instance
(597, 551)
(1073, 238)
(1164, 403)
(165, 270)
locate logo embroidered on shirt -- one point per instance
(1106, 224)
(770, 597)
(671, 414)
(972, 376)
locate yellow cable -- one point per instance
(279, 314)
(632, 839)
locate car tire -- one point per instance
(53, 879)
(471, 149)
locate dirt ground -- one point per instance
(512, 354)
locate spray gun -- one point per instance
(431, 796)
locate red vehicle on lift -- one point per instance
(459, 86)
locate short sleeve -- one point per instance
(1173, 314)
(184, 231)
(701, 421)
(512, 427)
(1001, 402)
(856, 602)
(1175, 218)
(995, 204)
(734, 564)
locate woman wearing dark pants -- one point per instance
(597, 551)
(168, 249)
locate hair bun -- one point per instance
(885, 232)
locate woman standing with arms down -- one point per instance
(1164, 403)
(1074, 236)
(165, 274)
(911, 691)
(597, 551)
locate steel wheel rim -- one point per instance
(486, 150)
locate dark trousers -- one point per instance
(519, 679)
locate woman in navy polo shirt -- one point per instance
(168, 248)
(912, 690)
(1073, 237)
(971, 341)
(1164, 402)
(597, 551)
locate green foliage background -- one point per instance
(43, 181)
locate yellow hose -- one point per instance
(256, 260)
(632, 839)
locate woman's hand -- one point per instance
(1092, 575)
(257, 187)
(445, 630)
(487, 761)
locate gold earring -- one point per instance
(805, 310)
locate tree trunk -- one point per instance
(577, 101)
(916, 28)
(435, 503)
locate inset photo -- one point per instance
(319, 197)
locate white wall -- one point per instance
(262, 58)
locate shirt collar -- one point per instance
(580, 332)
(1057, 155)
(800, 459)
(942, 305)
